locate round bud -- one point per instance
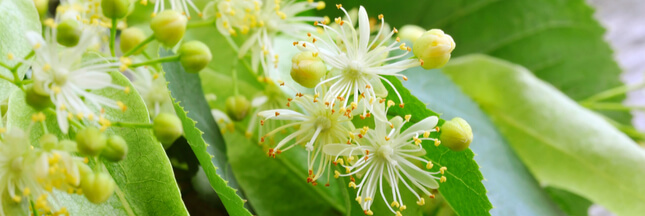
(169, 27)
(67, 145)
(410, 32)
(130, 38)
(37, 101)
(456, 134)
(115, 9)
(90, 141)
(167, 128)
(307, 69)
(98, 187)
(115, 149)
(68, 33)
(433, 48)
(48, 142)
(42, 6)
(237, 107)
(194, 56)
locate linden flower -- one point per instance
(271, 98)
(389, 155)
(320, 124)
(17, 176)
(152, 87)
(176, 5)
(357, 61)
(59, 73)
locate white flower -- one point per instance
(176, 5)
(152, 87)
(265, 19)
(389, 155)
(60, 73)
(272, 97)
(357, 61)
(17, 176)
(320, 124)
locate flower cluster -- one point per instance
(344, 65)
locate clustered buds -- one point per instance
(115, 9)
(130, 38)
(237, 107)
(307, 69)
(194, 56)
(115, 149)
(90, 141)
(433, 48)
(167, 128)
(97, 187)
(456, 134)
(169, 27)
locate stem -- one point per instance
(154, 61)
(6, 78)
(73, 121)
(44, 127)
(345, 192)
(2, 64)
(113, 37)
(139, 46)
(235, 86)
(237, 51)
(627, 129)
(33, 207)
(613, 106)
(123, 201)
(14, 70)
(200, 24)
(609, 93)
(132, 124)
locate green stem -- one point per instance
(29, 81)
(237, 51)
(131, 125)
(345, 192)
(2, 64)
(113, 37)
(6, 78)
(610, 93)
(123, 201)
(44, 125)
(200, 24)
(235, 86)
(154, 61)
(612, 106)
(73, 121)
(627, 129)
(28, 56)
(33, 207)
(139, 46)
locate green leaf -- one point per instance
(18, 17)
(564, 145)
(511, 188)
(559, 41)
(195, 115)
(570, 203)
(145, 177)
(464, 190)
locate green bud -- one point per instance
(68, 33)
(48, 142)
(167, 128)
(130, 38)
(98, 187)
(90, 141)
(84, 170)
(116, 149)
(307, 69)
(42, 6)
(194, 56)
(456, 134)
(433, 48)
(169, 27)
(67, 145)
(410, 32)
(115, 9)
(237, 107)
(37, 101)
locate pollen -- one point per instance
(437, 142)
(10, 56)
(338, 6)
(336, 174)
(403, 207)
(426, 134)
(429, 165)
(442, 179)
(321, 5)
(443, 170)
(127, 90)
(353, 185)
(395, 204)
(421, 201)
(122, 106)
(368, 212)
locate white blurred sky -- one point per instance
(625, 24)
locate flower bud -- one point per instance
(68, 33)
(67, 145)
(130, 38)
(169, 27)
(167, 128)
(37, 101)
(194, 56)
(98, 187)
(433, 48)
(307, 69)
(115, 9)
(115, 149)
(410, 32)
(48, 142)
(42, 6)
(456, 134)
(237, 107)
(90, 141)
